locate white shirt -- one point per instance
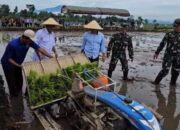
(45, 40)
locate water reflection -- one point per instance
(171, 121)
(5, 37)
(17, 108)
(123, 90)
(5, 112)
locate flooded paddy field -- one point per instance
(164, 98)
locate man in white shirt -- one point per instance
(45, 38)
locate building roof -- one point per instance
(94, 10)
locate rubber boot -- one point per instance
(158, 79)
(1, 81)
(109, 73)
(125, 74)
(174, 78)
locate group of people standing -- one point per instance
(92, 46)
(121, 41)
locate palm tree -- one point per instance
(140, 19)
(155, 24)
(146, 21)
(15, 10)
(154, 21)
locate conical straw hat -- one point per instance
(51, 21)
(93, 25)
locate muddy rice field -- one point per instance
(164, 98)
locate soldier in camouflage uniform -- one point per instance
(171, 55)
(118, 44)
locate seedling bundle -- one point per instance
(48, 81)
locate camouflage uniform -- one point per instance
(171, 56)
(118, 44)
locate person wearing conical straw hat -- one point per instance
(93, 42)
(45, 38)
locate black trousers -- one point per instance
(94, 60)
(14, 80)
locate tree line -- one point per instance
(29, 12)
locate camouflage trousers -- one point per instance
(170, 61)
(114, 60)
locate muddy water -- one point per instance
(164, 98)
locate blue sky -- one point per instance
(151, 9)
